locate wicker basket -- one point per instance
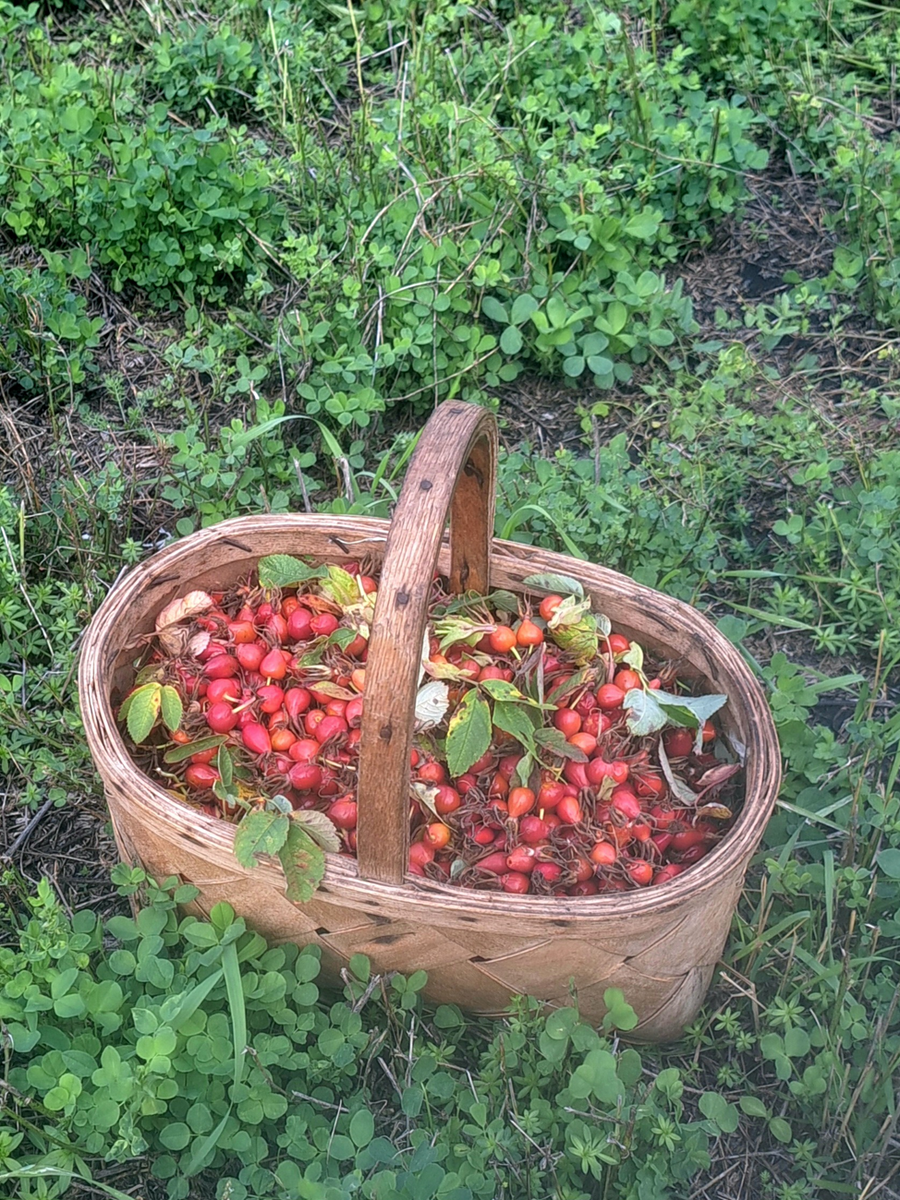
(659, 945)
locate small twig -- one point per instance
(27, 831)
(387, 1071)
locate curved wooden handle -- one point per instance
(453, 469)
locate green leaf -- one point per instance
(514, 719)
(496, 311)
(644, 715)
(643, 224)
(692, 711)
(281, 570)
(718, 1110)
(171, 707)
(303, 864)
(511, 340)
(552, 584)
(143, 709)
(260, 832)
(573, 366)
(502, 689)
(175, 1136)
(796, 1042)
(753, 1106)
(179, 753)
(597, 1078)
(523, 307)
(319, 827)
(469, 734)
(600, 364)
(362, 1127)
(616, 316)
(557, 312)
(630, 1067)
(889, 862)
(554, 740)
(340, 586)
(619, 1013)
(225, 767)
(781, 1130)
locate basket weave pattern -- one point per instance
(659, 945)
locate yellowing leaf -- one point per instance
(260, 832)
(469, 734)
(171, 707)
(319, 827)
(143, 710)
(303, 864)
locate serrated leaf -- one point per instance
(171, 708)
(680, 789)
(552, 584)
(501, 689)
(342, 637)
(334, 690)
(524, 767)
(179, 753)
(183, 609)
(502, 601)
(143, 709)
(581, 678)
(260, 832)
(691, 711)
(515, 719)
(426, 795)
(571, 611)
(340, 586)
(313, 656)
(281, 570)
(319, 827)
(634, 657)
(303, 863)
(469, 734)
(644, 714)
(198, 642)
(151, 673)
(172, 639)
(432, 702)
(554, 740)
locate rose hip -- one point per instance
(342, 813)
(256, 738)
(221, 717)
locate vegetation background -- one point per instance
(245, 249)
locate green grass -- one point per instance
(245, 254)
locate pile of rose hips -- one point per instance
(279, 676)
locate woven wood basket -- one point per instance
(659, 945)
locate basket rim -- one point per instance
(732, 854)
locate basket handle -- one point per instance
(453, 470)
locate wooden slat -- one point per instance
(454, 466)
